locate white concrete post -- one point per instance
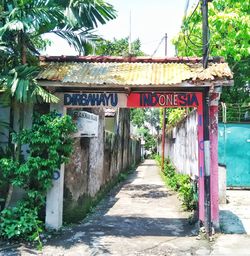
(54, 202)
(54, 199)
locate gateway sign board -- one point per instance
(95, 99)
(87, 124)
(133, 99)
(163, 99)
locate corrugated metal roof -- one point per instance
(135, 73)
(131, 59)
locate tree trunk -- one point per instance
(11, 146)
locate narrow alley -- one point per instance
(139, 217)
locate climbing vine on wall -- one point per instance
(50, 145)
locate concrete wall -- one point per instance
(181, 145)
(96, 162)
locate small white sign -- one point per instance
(87, 124)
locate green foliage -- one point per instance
(22, 25)
(150, 140)
(50, 145)
(146, 120)
(19, 221)
(137, 116)
(229, 24)
(180, 183)
(240, 92)
(119, 47)
(173, 116)
(20, 83)
(235, 113)
(157, 158)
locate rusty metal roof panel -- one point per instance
(55, 71)
(124, 73)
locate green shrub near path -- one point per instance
(181, 183)
(50, 145)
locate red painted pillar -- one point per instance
(201, 192)
(213, 135)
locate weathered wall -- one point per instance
(182, 147)
(96, 162)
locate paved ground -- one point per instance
(139, 218)
(235, 215)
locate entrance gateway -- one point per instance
(143, 83)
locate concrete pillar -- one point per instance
(201, 192)
(54, 199)
(213, 134)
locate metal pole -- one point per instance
(205, 36)
(207, 199)
(129, 39)
(164, 116)
(163, 139)
(207, 180)
(166, 44)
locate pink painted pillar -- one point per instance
(213, 134)
(201, 158)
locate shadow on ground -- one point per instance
(103, 223)
(230, 223)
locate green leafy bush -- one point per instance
(19, 222)
(187, 192)
(180, 183)
(50, 145)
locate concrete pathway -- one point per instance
(235, 215)
(138, 218)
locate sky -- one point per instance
(150, 20)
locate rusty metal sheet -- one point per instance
(89, 73)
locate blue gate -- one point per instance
(234, 152)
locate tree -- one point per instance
(150, 140)
(137, 116)
(22, 24)
(146, 120)
(119, 47)
(229, 24)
